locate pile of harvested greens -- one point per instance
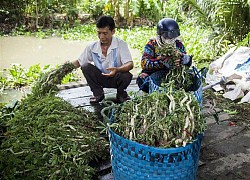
(45, 137)
(161, 119)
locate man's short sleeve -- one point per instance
(86, 56)
(124, 52)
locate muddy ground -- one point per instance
(225, 151)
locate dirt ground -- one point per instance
(225, 151)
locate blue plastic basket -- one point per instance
(131, 160)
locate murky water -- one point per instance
(30, 50)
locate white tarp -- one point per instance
(235, 66)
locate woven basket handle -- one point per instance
(107, 111)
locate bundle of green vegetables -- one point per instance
(47, 138)
(168, 50)
(180, 74)
(162, 119)
(48, 82)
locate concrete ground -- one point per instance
(225, 151)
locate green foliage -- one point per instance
(208, 28)
(229, 19)
(3, 83)
(48, 138)
(175, 121)
(234, 17)
(229, 16)
(151, 9)
(245, 41)
(199, 43)
(18, 76)
(95, 8)
(136, 37)
(71, 77)
(83, 32)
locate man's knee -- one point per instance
(87, 67)
(125, 76)
(90, 70)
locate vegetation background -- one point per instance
(208, 28)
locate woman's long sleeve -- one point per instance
(150, 61)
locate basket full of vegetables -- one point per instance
(156, 135)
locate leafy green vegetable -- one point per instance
(50, 139)
(48, 81)
(46, 137)
(178, 74)
(163, 119)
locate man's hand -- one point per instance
(76, 63)
(113, 71)
(124, 68)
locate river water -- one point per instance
(29, 51)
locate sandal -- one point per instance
(96, 99)
(122, 97)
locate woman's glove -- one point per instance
(186, 60)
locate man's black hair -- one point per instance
(106, 21)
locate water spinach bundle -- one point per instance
(170, 118)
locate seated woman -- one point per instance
(153, 64)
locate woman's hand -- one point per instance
(177, 62)
(143, 75)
